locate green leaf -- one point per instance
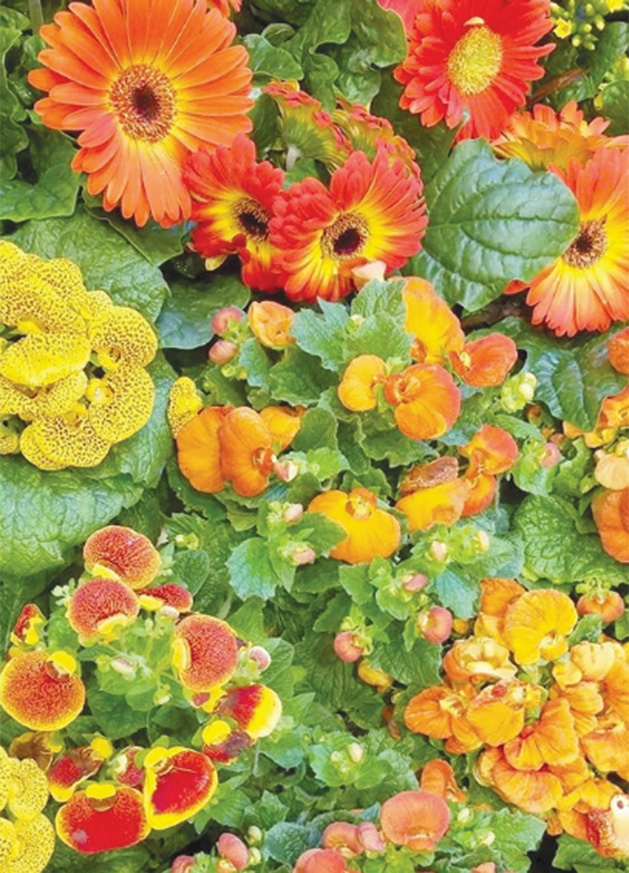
(614, 99)
(251, 571)
(555, 549)
(317, 431)
(54, 193)
(419, 667)
(286, 841)
(184, 322)
(491, 221)
(298, 378)
(459, 593)
(318, 531)
(323, 335)
(115, 717)
(516, 833)
(573, 378)
(108, 262)
(13, 136)
(269, 60)
(583, 857)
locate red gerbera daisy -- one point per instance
(588, 286)
(146, 82)
(373, 211)
(474, 55)
(232, 201)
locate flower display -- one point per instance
(141, 106)
(475, 57)
(314, 514)
(50, 374)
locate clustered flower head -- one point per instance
(549, 717)
(73, 378)
(112, 798)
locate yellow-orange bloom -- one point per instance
(416, 819)
(611, 514)
(608, 749)
(371, 532)
(441, 504)
(497, 713)
(491, 449)
(40, 691)
(537, 624)
(551, 740)
(534, 791)
(433, 711)
(198, 449)
(271, 323)
(436, 328)
(145, 84)
(357, 391)
(478, 659)
(283, 423)
(425, 399)
(438, 778)
(496, 597)
(246, 451)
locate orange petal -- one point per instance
(371, 532)
(416, 819)
(38, 691)
(357, 389)
(198, 450)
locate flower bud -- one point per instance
(226, 318)
(435, 624)
(286, 470)
(222, 352)
(356, 752)
(293, 512)
(347, 647)
(366, 272)
(303, 554)
(550, 456)
(122, 665)
(439, 551)
(481, 541)
(224, 866)
(168, 611)
(232, 849)
(370, 838)
(260, 655)
(374, 676)
(255, 856)
(182, 864)
(414, 582)
(255, 834)
(610, 605)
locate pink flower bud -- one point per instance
(222, 352)
(233, 850)
(303, 555)
(551, 456)
(182, 864)
(285, 470)
(370, 838)
(414, 582)
(347, 647)
(226, 318)
(435, 624)
(260, 655)
(293, 512)
(343, 837)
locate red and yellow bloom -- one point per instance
(122, 553)
(178, 783)
(102, 818)
(373, 211)
(479, 57)
(40, 691)
(205, 652)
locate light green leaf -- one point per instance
(491, 221)
(251, 571)
(323, 335)
(269, 60)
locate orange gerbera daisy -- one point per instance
(373, 211)
(477, 56)
(587, 287)
(145, 82)
(544, 137)
(232, 203)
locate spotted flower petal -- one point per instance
(122, 553)
(42, 691)
(102, 818)
(205, 652)
(179, 782)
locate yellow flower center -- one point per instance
(589, 246)
(252, 218)
(144, 101)
(346, 238)
(475, 60)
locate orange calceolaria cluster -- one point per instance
(425, 398)
(546, 748)
(222, 444)
(140, 789)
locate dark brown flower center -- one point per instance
(346, 238)
(252, 218)
(589, 245)
(144, 102)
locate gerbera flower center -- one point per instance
(589, 246)
(252, 218)
(144, 102)
(346, 237)
(475, 60)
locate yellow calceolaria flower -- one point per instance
(27, 837)
(183, 404)
(59, 334)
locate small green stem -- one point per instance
(36, 15)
